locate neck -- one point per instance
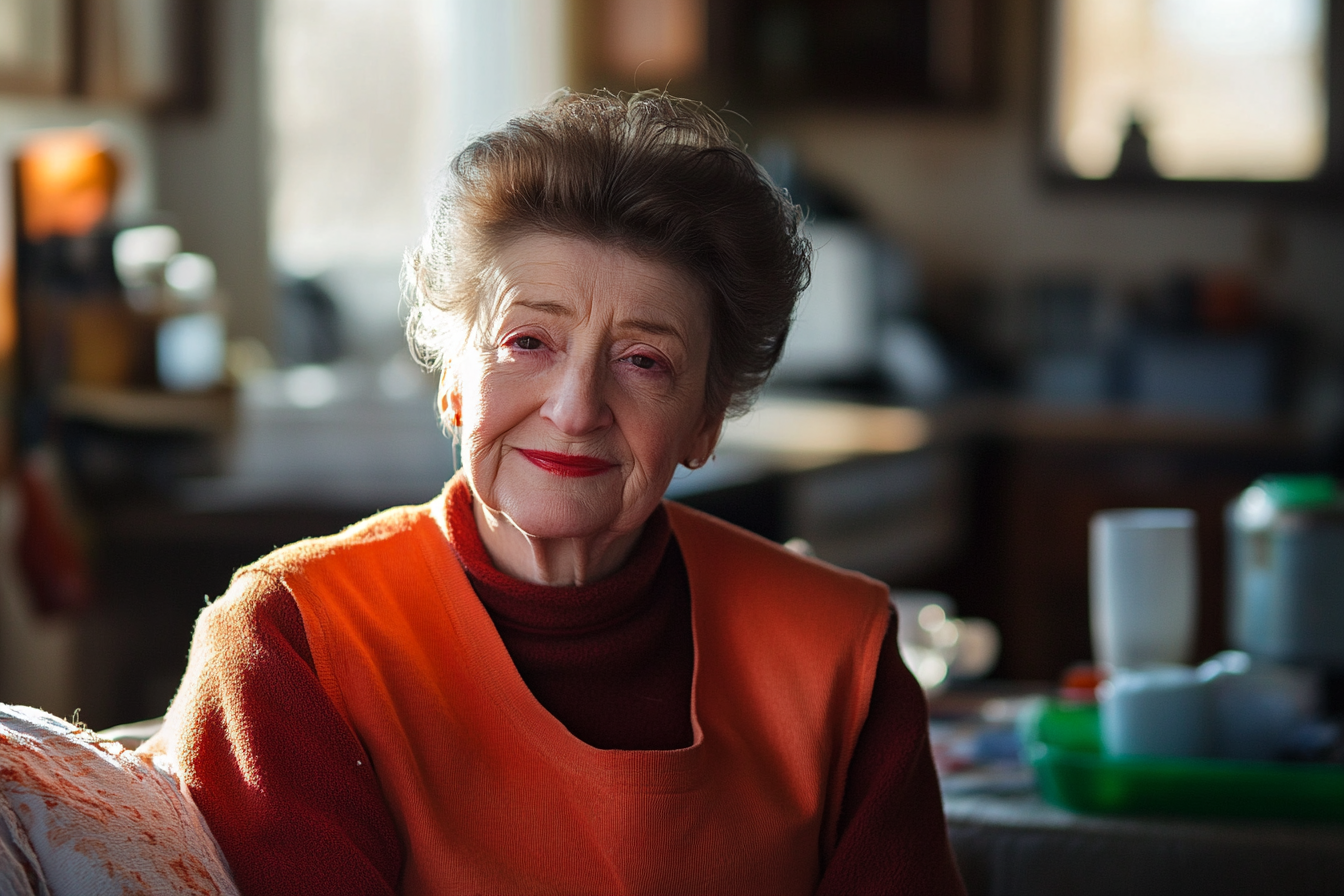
(551, 561)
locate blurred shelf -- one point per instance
(208, 413)
(807, 433)
(1127, 425)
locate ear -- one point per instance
(450, 396)
(704, 440)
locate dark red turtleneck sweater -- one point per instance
(613, 661)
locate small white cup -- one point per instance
(1143, 574)
(1159, 711)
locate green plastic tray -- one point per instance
(1063, 744)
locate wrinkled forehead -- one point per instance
(573, 278)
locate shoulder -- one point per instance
(747, 583)
(733, 551)
(267, 596)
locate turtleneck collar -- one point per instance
(612, 660)
(570, 610)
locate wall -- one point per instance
(962, 190)
(211, 169)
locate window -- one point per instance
(367, 100)
(1196, 90)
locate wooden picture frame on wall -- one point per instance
(148, 53)
(37, 39)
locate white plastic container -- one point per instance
(1158, 711)
(1257, 705)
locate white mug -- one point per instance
(1143, 572)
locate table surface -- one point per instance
(1016, 844)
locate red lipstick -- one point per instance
(567, 464)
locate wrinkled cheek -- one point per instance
(479, 464)
(641, 493)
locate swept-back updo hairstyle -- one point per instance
(656, 175)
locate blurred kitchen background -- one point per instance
(1071, 255)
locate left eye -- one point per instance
(527, 343)
(643, 362)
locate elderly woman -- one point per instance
(549, 679)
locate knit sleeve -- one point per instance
(280, 776)
(893, 836)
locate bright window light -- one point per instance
(1221, 89)
(368, 99)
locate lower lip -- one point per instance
(567, 464)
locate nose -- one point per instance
(577, 404)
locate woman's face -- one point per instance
(586, 389)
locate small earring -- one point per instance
(693, 463)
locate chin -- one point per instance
(560, 513)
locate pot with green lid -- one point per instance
(1286, 582)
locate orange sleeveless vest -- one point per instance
(490, 792)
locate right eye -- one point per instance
(526, 343)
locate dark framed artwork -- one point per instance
(939, 54)
(786, 54)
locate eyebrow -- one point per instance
(642, 325)
(653, 327)
(556, 308)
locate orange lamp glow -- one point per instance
(67, 181)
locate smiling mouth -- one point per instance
(567, 464)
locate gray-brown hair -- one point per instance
(660, 176)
